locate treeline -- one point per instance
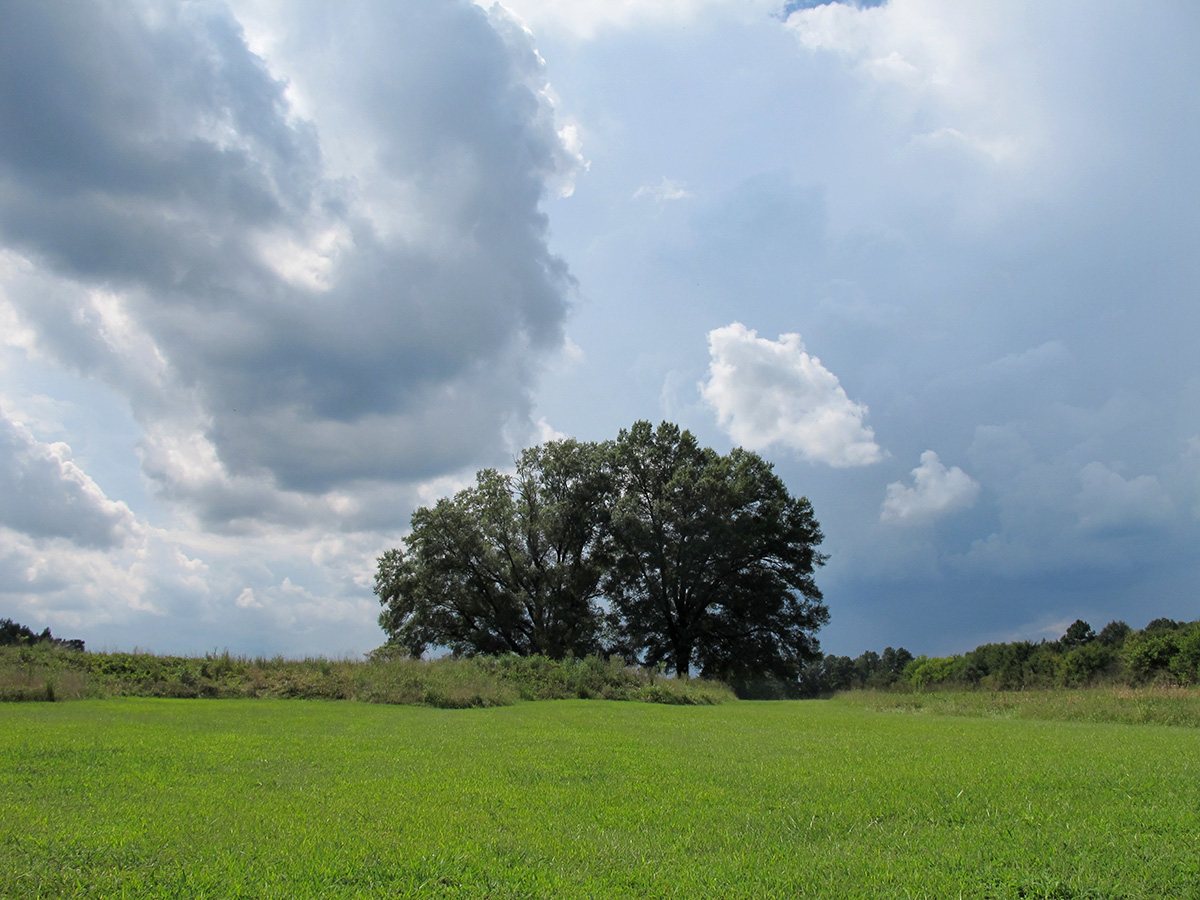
(1165, 651)
(13, 634)
(868, 670)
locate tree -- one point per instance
(511, 565)
(14, 634)
(713, 559)
(892, 663)
(1114, 633)
(866, 666)
(1078, 633)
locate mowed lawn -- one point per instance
(573, 799)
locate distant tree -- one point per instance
(1171, 652)
(825, 675)
(510, 565)
(866, 667)
(1113, 634)
(892, 663)
(14, 634)
(1162, 624)
(1185, 664)
(1087, 662)
(1078, 633)
(713, 559)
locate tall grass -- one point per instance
(45, 673)
(1147, 705)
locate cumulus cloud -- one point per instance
(300, 285)
(773, 392)
(935, 491)
(44, 494)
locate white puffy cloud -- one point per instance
(935, 491)
(773, 392)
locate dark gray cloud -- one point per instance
(45, 495)
(358, 290)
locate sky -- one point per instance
(274, 274)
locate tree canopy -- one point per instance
(649, 546)
(713, 558)
(510, 565)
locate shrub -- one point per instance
(1086, 663)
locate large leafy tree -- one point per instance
(713, 559)
(650, 545)
(510, 565)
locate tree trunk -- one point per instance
(683, 660)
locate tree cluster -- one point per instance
(1165, 650)
(650, 547)
(13, 634)
(868, 670)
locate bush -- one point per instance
(1087, 663)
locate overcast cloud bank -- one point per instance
(316, 281)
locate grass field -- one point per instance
(1154, 704)
(572, 799)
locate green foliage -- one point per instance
(1086, 663)
(825, 676)
(1114, 633)
(13, 634)
(572, 800)
(924, 670)
(649, 546)
(41, 671)
(1078, 633)
(511, 565)
(713, 559)
(1165, 650)
(389, 676)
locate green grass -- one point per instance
(292, 799)
(1147, 705)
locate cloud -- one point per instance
(588, 19)
(936, 491)
(664, 190)
(1110, 505)
(941, 70)
(44, 494)
(293, 303)
(773, 392)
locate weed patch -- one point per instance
(51, 673)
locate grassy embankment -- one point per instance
(49, 673)
(161, 798)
